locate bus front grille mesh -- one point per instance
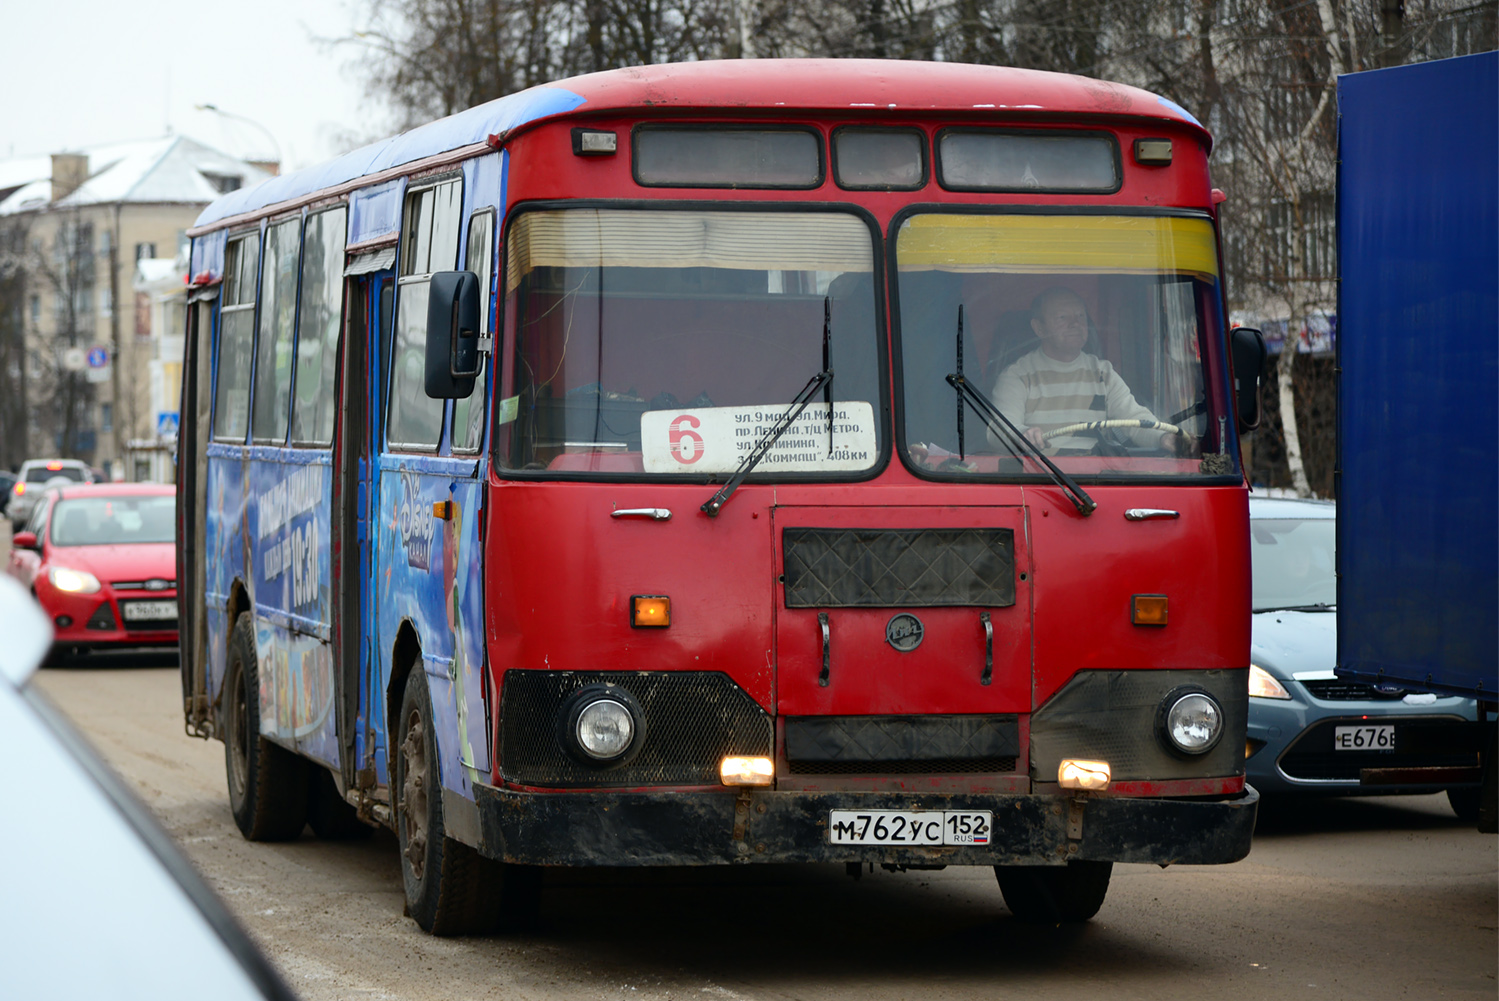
(875, 769)
(693, 719)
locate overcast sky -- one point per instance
(79, 73)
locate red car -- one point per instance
(101, 560)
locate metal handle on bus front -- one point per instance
(988, 674)
(822, 620)
(1149, 513)
(654, 513)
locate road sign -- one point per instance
(166, 423)
(98, 356)
(74, 360)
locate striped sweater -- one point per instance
(1039, 391)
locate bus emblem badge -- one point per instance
(904, 632)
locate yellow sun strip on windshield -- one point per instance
(643, 238)
(1049, 244)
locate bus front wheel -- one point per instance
(1046, 894)
(267, 783)
(450, 888)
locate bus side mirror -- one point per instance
(1246, 357)
(452, 334)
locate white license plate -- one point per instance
(901, 827)
(141, 611)
(1363, 738)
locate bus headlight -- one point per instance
(602, 725)
(1191, 721)
(604, 729)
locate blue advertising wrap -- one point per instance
(268, 525)
(269, 532)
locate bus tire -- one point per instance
(267, 783)
(450, 888)
(330, 816)
(1045, 894)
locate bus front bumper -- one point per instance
(716, 828)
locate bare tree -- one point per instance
(430, 58)
(1260, 75)
(66, 270)
(14, 301)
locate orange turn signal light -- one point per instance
(650, 611)
(1148, 610)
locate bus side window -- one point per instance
(429, 242)
(273, 349)
(317, 330)
(468, 414)
(231, 416)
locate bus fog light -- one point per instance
(605, 729)
(1075, 773)
(746, 771)
(1193, 722)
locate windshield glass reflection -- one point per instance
(1293, 562)
(670, 342)
(1089, 333)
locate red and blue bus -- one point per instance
(729, 463)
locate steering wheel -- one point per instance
(1102, 425)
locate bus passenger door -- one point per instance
(370, 298)
(192, 470)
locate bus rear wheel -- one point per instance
(267, 783)
(1046, 894)
(450, 888)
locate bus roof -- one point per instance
(736, 85)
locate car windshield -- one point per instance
(1094, 335)
(108, 521)
(1293, 562)
(669, 342)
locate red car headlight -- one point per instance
(73, 581)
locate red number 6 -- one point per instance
(686, 446)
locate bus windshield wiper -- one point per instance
(1320, 606)
(1004, 429)
(822, 380)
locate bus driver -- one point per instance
(1058, 383)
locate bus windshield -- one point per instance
(1088, 332)
(646, 341)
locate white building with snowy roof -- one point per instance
(73, 227)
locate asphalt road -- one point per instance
(1360, 899)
